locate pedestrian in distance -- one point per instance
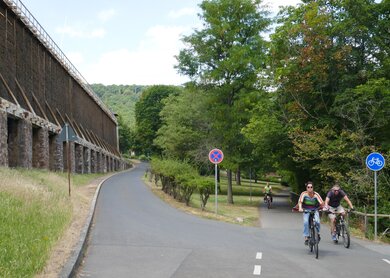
(267, 191)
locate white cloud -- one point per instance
(76, 58)
(151, 63)
(182, 12)
(275, 4)
(106, 15)
(78, 32)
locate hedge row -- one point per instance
(181, 180)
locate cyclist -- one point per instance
(332, 203)
(310, 200)
(268, 191)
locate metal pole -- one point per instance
(375, 213)
(250, 183)
(68, 154)
(216, 189)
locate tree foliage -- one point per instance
(121, 99)
(186, 127)
(224, 59)
(311, 103)
(147, 116)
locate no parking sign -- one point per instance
(215, 156)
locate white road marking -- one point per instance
(257, 270)
(387, 261)
(259, 255)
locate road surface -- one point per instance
(135, 234)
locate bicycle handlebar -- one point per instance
(311, 211)
(337, 212)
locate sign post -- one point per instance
(216, 157)
(67, 134)
(250, 183)
(375, 162)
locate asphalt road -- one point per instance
(135, 234)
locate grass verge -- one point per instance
(245, 210)
(35, 211)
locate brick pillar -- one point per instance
(108, 164)
(102, 163)
(98, 162)
(40, 155)
(105, 160)
(3, 139)
(79, 158)
(20, 143)
(87, 160)
(93, 162)
(72, 157)
(56, 161)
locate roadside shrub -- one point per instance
(187, 185)
(178, 179)
(205, 188)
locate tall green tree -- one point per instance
(147, 116)
(126, 136)
(186, 127)
(330, 59)
(224, 59)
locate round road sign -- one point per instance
(216, 156)
(375, 161)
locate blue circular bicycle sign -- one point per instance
(375, 161)
(215, 156)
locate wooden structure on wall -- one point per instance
(40, 91)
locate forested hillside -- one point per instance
(120, 99)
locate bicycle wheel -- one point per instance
(268, 203)
(338, 232)
(312, 236)
(315, 242)
(345, 235)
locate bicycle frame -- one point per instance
(313, 237)
(268, 201)
(342, 229)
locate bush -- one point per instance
(205, 188)
(143, 157)
(180, 180)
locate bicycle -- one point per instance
(342, 229)
(314, 237)
(268, 200)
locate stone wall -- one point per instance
(40, 157)
(3, 139)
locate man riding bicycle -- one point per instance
(332, 203)
(267, 191)
(310, 200)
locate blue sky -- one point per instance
(122, 41)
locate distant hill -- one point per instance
(120, 99)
